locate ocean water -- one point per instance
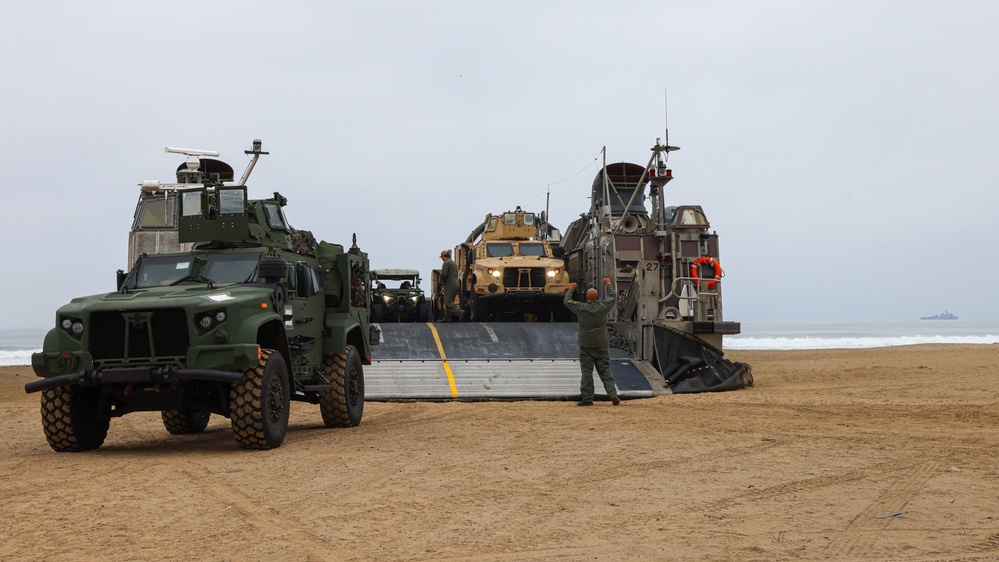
(855, 335)
(17, 345)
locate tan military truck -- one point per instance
(511, 270)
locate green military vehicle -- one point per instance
(396, 296)
(255, 314)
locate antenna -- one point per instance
(256, 152)
(666, 113)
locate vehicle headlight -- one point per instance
(553, 273)
(73, 326)
(495, 273)
(413, 298)
(206, 322)
(387, 298)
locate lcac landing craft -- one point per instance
(665, 266)
(666, 331)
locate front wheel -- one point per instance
(260, 403)
(72, 420)
(343, 405)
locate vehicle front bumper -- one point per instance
(221, 364)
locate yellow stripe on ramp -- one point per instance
(447, 368)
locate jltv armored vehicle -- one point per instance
(510, 270)
(245, 321)
(396, 296)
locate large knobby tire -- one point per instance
(71, 420)
(343, 405)
(183, 422)
(259, 405)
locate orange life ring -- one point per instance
(695, 267)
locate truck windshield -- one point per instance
(155, 271)
(532, 249)
(231, 268)
(499, 250)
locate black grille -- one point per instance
(524, 277)
(149, 334)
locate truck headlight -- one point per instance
(206, 322)
(495, 273)
(209, 320)
(73, 326)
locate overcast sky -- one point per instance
(845, 152)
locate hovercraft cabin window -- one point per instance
(160, 212)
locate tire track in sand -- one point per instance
(850, 542)
(297, 541)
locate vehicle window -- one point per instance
(157, 213)
(274, 215)
(191, 203)
(317, 279)
(155, 271)
(491, 225)
(528, 219)
(691, 217)
(532, 249)
(232, 201)
(232, 268)
(499, 250)
(510, 219)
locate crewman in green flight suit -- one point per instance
(449, 285)
(593, 341)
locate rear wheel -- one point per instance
(183, 422)
(72, 420)
(343, 405)
(259, 404)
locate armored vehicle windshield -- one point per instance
(532, 249)
(155, 271)
(232, 268)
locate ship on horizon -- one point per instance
(942, 316)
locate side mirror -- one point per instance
(121, 278)
(558, 251)
(303, 276)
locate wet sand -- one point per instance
(872, 454)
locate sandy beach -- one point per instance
(871, 454)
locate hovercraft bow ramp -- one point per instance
(492, 361)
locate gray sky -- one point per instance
(844, 151)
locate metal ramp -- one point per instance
(490, 361)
